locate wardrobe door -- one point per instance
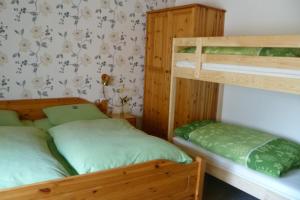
(157, 76)
(181, 23)
(195, 100)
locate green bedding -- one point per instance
(93, 145)
(257, 150)
(43, 124)
(9, 118)
(247, 51)
(60, 158)
(66, 113)
(27, 123)
(25, 157)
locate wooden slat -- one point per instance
(181, 72)
(201, 175)
(255, 61)
(190, 57)
(253, 81)
(172, 103)
(190, 41)
(198, 59)
(150, 180)
(253, 41)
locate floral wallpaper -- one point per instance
(60, 48)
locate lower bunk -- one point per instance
(264, 165)
(254, 183)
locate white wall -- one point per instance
(275, 112)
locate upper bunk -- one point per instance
(263, 62)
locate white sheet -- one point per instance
(185, 64)
(243, 69)
(288, 185)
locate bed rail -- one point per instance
(158, 179)
(257, 69)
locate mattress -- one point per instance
(245, 51)
(243, 69)
(185, 64)
(287, 185)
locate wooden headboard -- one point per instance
(32, 109)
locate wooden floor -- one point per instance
(214, 189)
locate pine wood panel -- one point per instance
(156, 74)
(151, 180)
(283, 41)
(185, 6)
(196, 100)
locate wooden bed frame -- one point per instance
(275, 83)
(158, 179)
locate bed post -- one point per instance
(200, 178)
(102, 105)
(198, 53)
(172, 98)
(172, 108)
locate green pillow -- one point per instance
(27, 123)
(93, 145)
(61, 114)
(276, 157)
(185, 130)
(25, 157)
(43, 124)
(187, 50)
(9, 118)
(60, 158)
(280, 52)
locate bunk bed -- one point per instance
(262, 62)
(155, 179)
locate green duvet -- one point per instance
(93, 145)
(257, 150)
(247, 51)
(25, 157)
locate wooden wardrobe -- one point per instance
(195, 100)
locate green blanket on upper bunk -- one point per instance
(255, 149)
(247, 51)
